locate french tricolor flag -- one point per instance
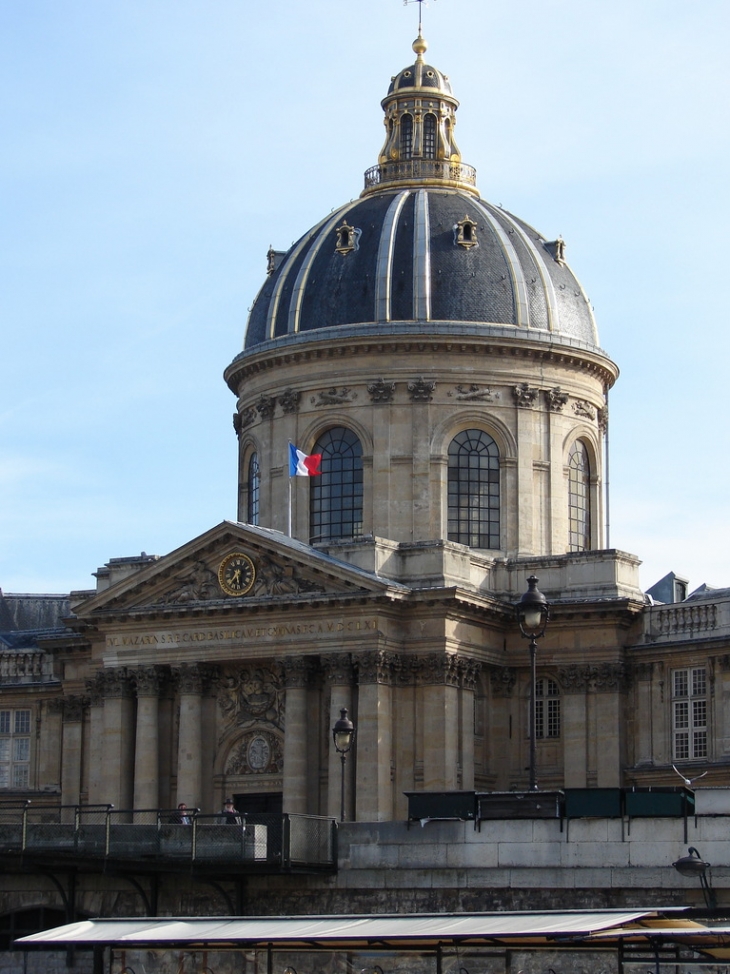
(301, 465)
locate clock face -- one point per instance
(236, 574)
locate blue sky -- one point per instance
(154, 149)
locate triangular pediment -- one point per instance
(231, 566)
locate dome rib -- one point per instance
(384, 265)
(522, 301)
(295, 307)
(421, 259)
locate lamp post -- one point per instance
(694, 867)
(343, 734)
(533, 612)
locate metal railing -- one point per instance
(416, 169)
(278, 841)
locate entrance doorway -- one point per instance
(259, 804)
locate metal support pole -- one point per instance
(533, 721)
(342, 789)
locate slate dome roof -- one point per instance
(407, 266)
(420, 250)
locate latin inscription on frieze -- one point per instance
(279, 630)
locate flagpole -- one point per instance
(288, 467)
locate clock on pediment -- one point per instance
(236, 574)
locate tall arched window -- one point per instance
(473, 490)
(335, 499)
(406, 137)
(429, 136)
(579, 497)
(254, 489)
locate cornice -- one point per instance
(470, 339)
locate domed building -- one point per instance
(469, 395)
(431, 364)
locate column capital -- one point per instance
(147, 680)
(502, 680)
(378, 666)
(297, 671)
(338, 669)
(74, 708)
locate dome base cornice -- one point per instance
(416, 338)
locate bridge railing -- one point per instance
(279, 841)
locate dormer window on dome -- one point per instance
(348, 238)
(465, 233)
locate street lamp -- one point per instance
(696, 868)
(533, 612)
(343, 734)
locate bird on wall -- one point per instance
(689, 781)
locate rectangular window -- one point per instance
(15, 749)
(689, 713)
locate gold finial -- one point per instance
(420, 46)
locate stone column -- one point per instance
(374, 744)
(575, 731)
(118, 740)
(469, 672)
(296, 676)
(146, 752)
(439, 680)
(608, 680)
(339, 675)
(189, 762)
(722, 707)
(528, 423)
(95, 692)
(50, 764)
(503, 748)
(643, 728)
(73, 717)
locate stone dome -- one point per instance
(436, 260)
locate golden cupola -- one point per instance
(420, 116)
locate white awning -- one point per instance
(408, 931)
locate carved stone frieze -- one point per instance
(274, 578)
(237, 423)
(421, 390)
(195, 584)
(437, 669)
(602, 416)
(265, 406)
(381, 391)
(74, 708)
(555, 399)
(469, 670)
(333, 396)
(147, 680)
(95, 689)
(502, 680)
(289, 400)
(595, 677)
(259, 752)
(248, 417)
(473, 393)
(297, 671)
(54, 705)
(252, 694)
(378, 666)
(116, 682)
(338, 669)
(585, 409)
(525, 395)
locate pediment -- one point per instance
(192, 577)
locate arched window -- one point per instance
(579, 497)
(335, 499)
(473, 490)
(254, 489)
(547, 709)
(429, 136)
(406, 137)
